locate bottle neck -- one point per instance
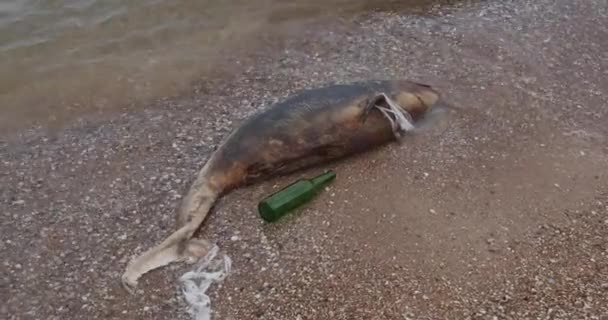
(323, 179)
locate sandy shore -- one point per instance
(500, 211)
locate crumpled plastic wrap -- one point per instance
(209, 269)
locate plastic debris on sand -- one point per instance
(209, 269)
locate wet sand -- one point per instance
(500, 211)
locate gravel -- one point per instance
(497, 211)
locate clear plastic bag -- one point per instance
(208, 270)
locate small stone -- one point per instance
(235, 238)
(432, 211)
(18, 202)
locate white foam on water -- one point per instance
(209, 269)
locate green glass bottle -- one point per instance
(281, 202)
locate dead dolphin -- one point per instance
(310, 128)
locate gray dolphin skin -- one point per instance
(312, 127)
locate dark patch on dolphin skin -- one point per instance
(302, 131)
(183, 219)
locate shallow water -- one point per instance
(62, 58)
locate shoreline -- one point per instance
(216, 66)
(498, 211)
